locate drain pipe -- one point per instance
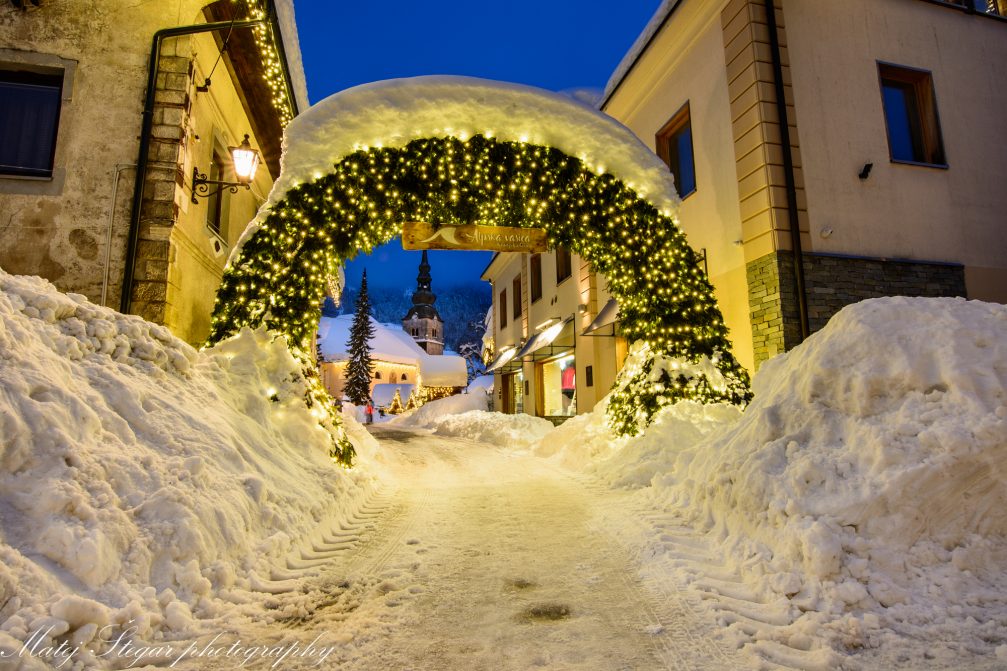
(788, 168)
(148, 123)
(119, 167)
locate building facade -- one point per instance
(555, 344)
(108, 112)
(874, 129)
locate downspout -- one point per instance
(108, 234)
(145, 129)
(788, 168)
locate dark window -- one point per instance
(517, 297)
(674, 146)
(589, 376)
(377, 375)
(217, 205)
(536, 277)
(404, 378)
(994, 7)
(29, 122)
(914, 132)
(503, 308)
(564, 267)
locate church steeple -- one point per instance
(422, 321)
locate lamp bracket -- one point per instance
(201, 185)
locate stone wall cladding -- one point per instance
(772, 302)
(159, 211)
(836, 281)
(832, 282)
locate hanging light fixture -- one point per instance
(245, 161)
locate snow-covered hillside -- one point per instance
(143, 483)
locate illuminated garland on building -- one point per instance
(272, 67)
(665, 299)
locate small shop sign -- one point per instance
(421, 235)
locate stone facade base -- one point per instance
(832, 282)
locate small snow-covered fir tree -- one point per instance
(358, 370)
(411, 401)
(396, 407)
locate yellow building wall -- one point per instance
(195, 267)
(580, 296)
(686, 63)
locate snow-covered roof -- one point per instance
(292, 50)
(390, 343)
(392, 113)
(393, 345)
(443, 371)
(639, 46)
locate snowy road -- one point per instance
(511, 568)
(477, 558)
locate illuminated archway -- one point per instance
(318, 216)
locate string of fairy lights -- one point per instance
(272, 66)
(665, 299)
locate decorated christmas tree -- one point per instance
(358, 370)
(396, 407)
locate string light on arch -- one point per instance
(665, 297)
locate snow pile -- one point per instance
(428, 414)
(518, 431)
(153, 480)
(866, 485)
(586, 443)
(392, 113)
(873, 461)
(465, 416)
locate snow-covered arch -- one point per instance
(458, 150)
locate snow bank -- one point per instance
(392, 113)
(147, 477)
(879, 444)
(465, 416)
(518, 431)
(427, 414)
(867, 482)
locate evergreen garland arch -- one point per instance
(666, 303)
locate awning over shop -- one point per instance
(607, 317)
(502, 359)
(549, 341)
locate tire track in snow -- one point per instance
(715, 589)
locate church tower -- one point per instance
(422, 321)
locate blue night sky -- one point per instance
(554, 44)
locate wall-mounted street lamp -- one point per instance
(246, 162)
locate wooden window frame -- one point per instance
(568, 265)
(927, 138)
(516, 286)
(535, 277)
(503, 308)
(679, 120)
